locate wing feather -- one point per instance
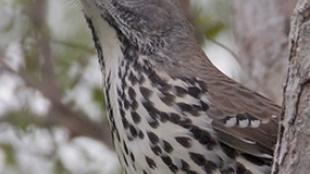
(243, 119)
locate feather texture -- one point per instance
(170, 109)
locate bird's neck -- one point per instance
(107, 43)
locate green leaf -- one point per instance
(98, 97)
(209, 28)
(23, 119)
(10, 154)
(214, 30)
(59, 168)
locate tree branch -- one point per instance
(293, 148)
(77, 123)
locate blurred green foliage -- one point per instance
(59, 168)
(98, 97)
(212, 20)
(10, 154)
(24, 119)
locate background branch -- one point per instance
(76, 122)
(261, 31)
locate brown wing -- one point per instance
(242, 118)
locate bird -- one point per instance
(170, 110)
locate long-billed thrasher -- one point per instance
(170, 110)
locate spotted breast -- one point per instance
(170, 110)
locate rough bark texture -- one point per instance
(293, 150)
(261, 31)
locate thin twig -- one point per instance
(74, 45)
(76, 122)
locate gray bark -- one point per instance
(261, 31)
(292, 155)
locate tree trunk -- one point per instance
(293, 150)
(261, 30)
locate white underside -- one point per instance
(112, 54)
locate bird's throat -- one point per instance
(106, 41)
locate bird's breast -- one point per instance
(159, 123)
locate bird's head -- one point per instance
(148, 24)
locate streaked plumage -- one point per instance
(170, 109)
